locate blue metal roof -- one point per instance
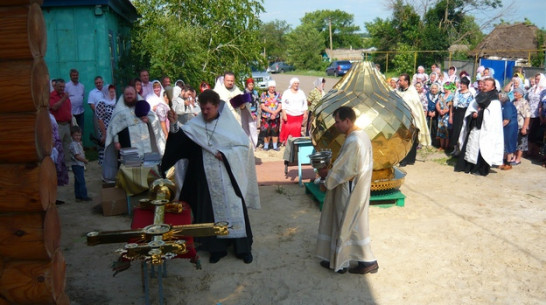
(124, 8)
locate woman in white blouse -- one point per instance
(294, 110)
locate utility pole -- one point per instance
(330, 27)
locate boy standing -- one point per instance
(78, 162)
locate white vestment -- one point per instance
(145, 137)
(229, 139)
(411, 97)
(226, 95)
(489, 139)
(344, 233)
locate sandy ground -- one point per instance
(460, 239)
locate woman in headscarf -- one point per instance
(420, 76)
(177, 102)
(156, 96)
(316, 94)
(461, 100)
(515, 83)
(204, 86)
(443, 107)
(432, 97)
(312, 100)
(270, 103)
(294, 110)
(523, 118)
(432, 80)
(103, 111)
(392, 82)
(533, 95)
(510, 130)
(250, 123)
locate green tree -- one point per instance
(444, 22)
(344, 32)
(273, 35)
(403, 60)
(194, 40)
(304, 49)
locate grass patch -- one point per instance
(308, 73)
(450, 161)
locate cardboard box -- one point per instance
(113, 201)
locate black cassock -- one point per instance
(195, 191)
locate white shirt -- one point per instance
(75, 94)
(147, 89)
(294, 103)
(95, 96)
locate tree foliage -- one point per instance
(194, 40)
(403, 61)
(274, 37)
(304, 49)
(435, 26)
(344, 32)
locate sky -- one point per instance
(363, 11)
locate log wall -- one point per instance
(32, 267)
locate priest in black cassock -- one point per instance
(216, 174)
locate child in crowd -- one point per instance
(78, 163)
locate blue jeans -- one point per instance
(80, 190)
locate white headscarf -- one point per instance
(317, 83)
(271, 83)
(152, 98)
(292, 81)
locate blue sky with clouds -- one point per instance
(366, 11)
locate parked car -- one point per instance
(260, 78)
(338, 67)
(279, 67)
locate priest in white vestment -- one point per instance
(216, 174)
(344, 234)
(411, 98)
(225, 87)
(482, 135)
(126, 129)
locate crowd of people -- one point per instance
(482, 123)
(210, 139)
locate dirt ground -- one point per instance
(460, 239)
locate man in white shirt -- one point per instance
(98, 93)
(75, 91)
(146, 84)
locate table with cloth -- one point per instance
(144, 217)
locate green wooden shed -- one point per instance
(90, 36)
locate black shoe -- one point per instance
(364, 268)
(59, 202)
(216, 256)
(246, 257)
(402, 164)
(84, 199)
(326, 264)
(276, 149)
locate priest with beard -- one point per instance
(481, 136)
(132, 125)
(215, 174)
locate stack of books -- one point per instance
(129, 157)
(151, 159)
